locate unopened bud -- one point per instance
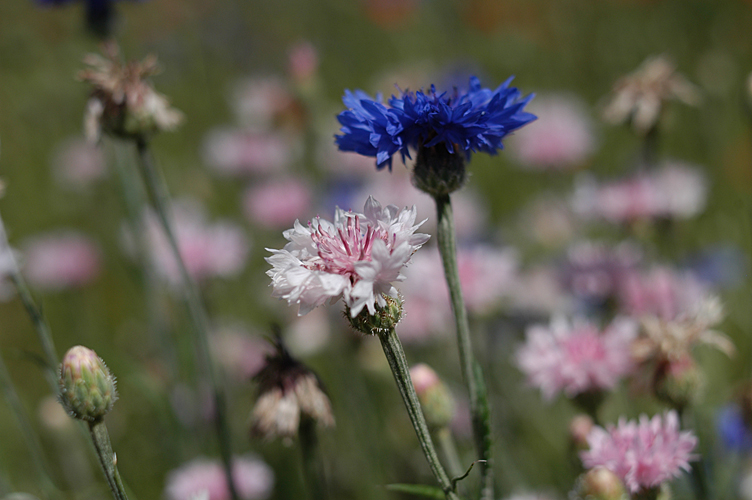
(579, 428)
(385, 318)
(600, 484)
(87, 389)
(434, 396)
(678, 382)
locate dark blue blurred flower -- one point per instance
(467, 121)
(99, 13)
(733, 430)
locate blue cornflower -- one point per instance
(463, 121)
(734, 431)
(99, 13)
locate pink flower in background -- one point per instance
(253, 479)
(303, 61)
(594, 271)
(643, 454)
(357, 258)
(578, 357)
(487, 275)
(241, 353)
(237, 152)
(560, 139)
(60, 260)
(261, 102)
(209, 250)
(660, 291)
(548, 220)
(538, 291)
(277, 203)
(77, 163)
(675, 191)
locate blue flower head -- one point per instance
(466, 121)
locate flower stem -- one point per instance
(157, 192)
(107, 458)
(32, 441)
(312, 466)
(471, 370)
(395, 355)
(449, 448)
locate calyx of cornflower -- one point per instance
(87, 388)
(383, 319)
(439, 172)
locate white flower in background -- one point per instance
(357, 257)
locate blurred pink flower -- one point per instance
(303, 61)
(241, 353)
(560, 139)
(277, 203)
(675, 191)
(594, 271)
(237, 152)
(60, 260)
(253, 480)
(77, 163)
(576, 358)
(261, 102)
(538, 291)
(660, 291)
(208, 250)
(643, 454)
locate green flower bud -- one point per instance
(678, 382)
(87, 389)
(385, 318)
(439, 172)
(434, 396)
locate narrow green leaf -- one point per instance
(421, 490)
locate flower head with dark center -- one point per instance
(463, 121)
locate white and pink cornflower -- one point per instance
(277, 203)
(357, 257)
(576, 358)
(674, 191)
(61, 260)
(205, 478)
(644, 453)
(561, 139)
(209, 250)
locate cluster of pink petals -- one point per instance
(208, 250)
(578, 357)
(560, 140)
(659, 291)
(260, 102)
(61, 260)
(675, 191)
(643, 454)
(303, 61)
(205, 479)
(277, 203)
(487, 276)
(356, 257)
(238, 152)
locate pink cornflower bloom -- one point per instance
(237, 152)
(660, 291)
(303, 61)
(561, 139)
(60, 260)
(205, 478)
(357, 257)
(277, 203)
(576, 358)
(209, 250)
(642, 453)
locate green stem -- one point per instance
(107, 459)
(157, 192)
(471, 371)
(395, 355)
(32, 441)
(449, 448)
(312, 466)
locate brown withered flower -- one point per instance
(639, 96)
(123, 103)
(288, 392)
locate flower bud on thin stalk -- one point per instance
(124, 105)
(87, 392)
